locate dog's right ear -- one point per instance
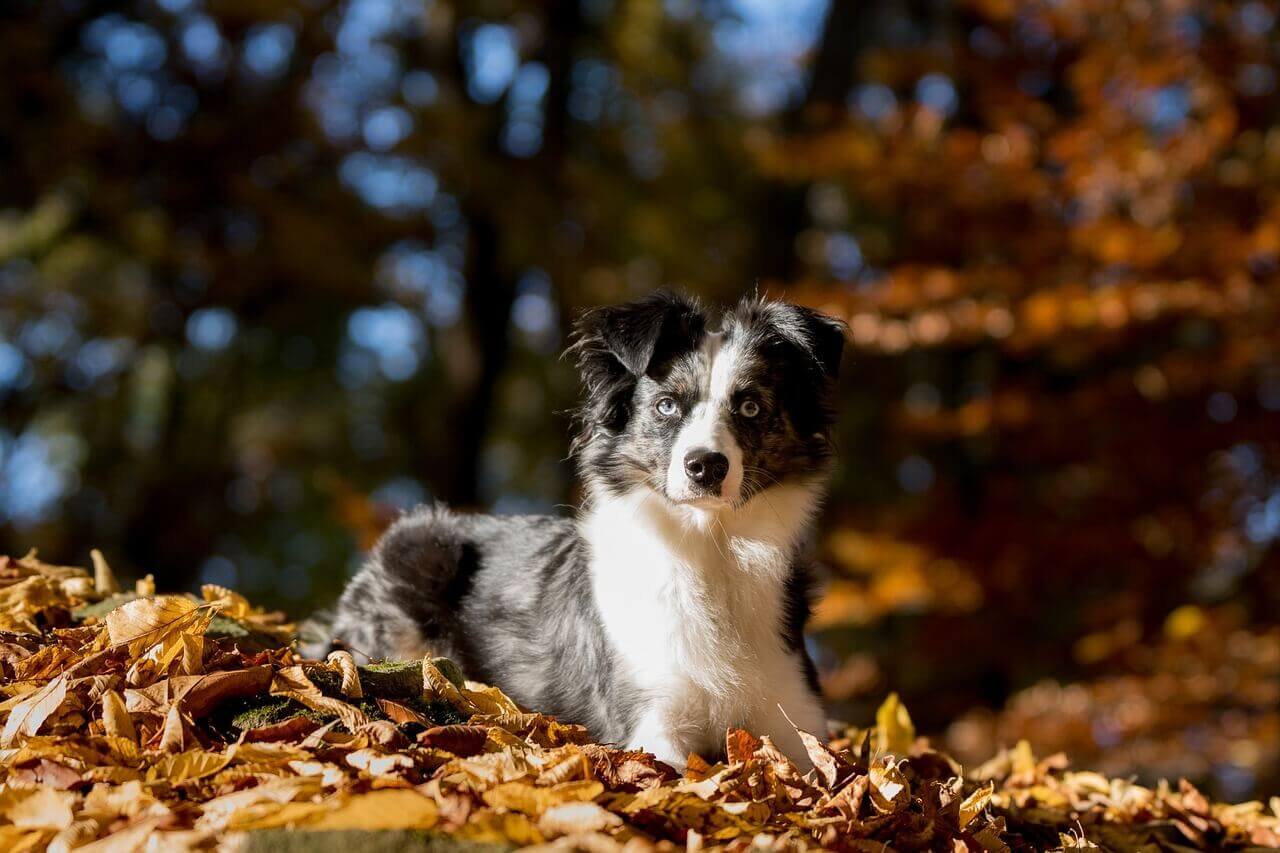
(639, 336)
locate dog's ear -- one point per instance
(826, 339)
(640, 336)
(819, 336)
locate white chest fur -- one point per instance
(692, 601)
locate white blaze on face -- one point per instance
(707, 426)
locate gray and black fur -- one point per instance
(511, 598)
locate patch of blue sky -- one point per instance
(211, 329)
(411, 269)
(268, 48)
(491, 60)
(36, 472)
(765, 43)
(391, 183)
(522, 135)
(393, 335)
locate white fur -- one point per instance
(707, 426)
(692, 600)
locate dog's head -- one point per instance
(706, 410)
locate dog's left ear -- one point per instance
(642, 335)
(818, 334)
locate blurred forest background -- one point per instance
(270, 271)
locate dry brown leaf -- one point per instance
(42, 808)
(104, 580)
(740, 745)
(45, 664)
(346, 665)
(30, 714)
(572, 818)
(975, 804)
(52, 774)
(198, 694)
(398, 713)
(173, 736)
(292, 683)
(127, 840)
(435, 684)
(115, 717)
(533, 801)
(461, 740)
(220, 811)
(293, 728)
(23, 601)
(391, 808)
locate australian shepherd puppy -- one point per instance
(672, 606)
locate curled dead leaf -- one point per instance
(104, 580)
(346, 665)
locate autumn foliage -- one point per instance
(272, 272)
(142, 721)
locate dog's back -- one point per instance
(503, 596)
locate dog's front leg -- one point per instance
(654, 734)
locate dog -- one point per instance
(672, 607)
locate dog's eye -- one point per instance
(749, 408)
(667, 406)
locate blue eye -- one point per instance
(667, 407)
(749, 408)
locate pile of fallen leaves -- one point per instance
(136, 721)
(1209, 679)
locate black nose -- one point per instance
(706, 467)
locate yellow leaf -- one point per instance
(15, 840)
(491, 700)
(509, 828)
(78, 834)
(894, 730)
(115, 717)
(29, 715)
(192, 653)
(23, 600)
(145, 622)
(525, 798)
(233, 603)
(389, 808)
(172, 738)
(185, 766)
(572, 818)
(129, 799)
(242, 807)
(111, 774)
(44, 808)
(1024, 760)
(271, 816)
(975, 803)
(133, 837)
(104, 580)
